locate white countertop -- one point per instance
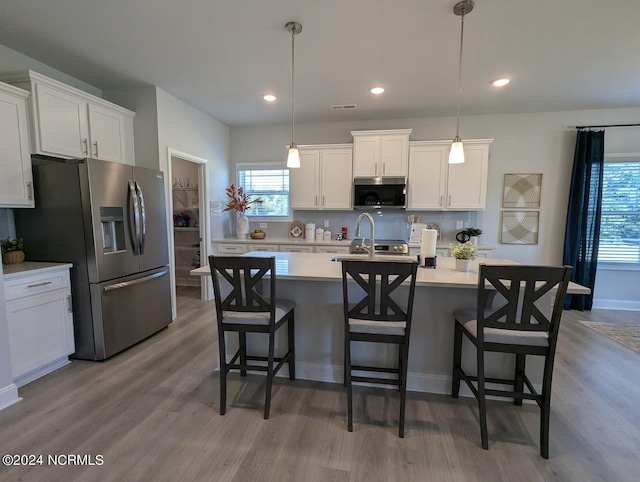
(319, 267)
(31, 267)
(268, 240)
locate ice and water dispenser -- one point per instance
(112, 228)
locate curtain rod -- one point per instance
(608, 125)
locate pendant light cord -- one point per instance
(293, 86)
(457, 139)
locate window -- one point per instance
(271, 184)
(620, 224)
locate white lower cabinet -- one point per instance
(40, 319)
(332, 249)
(296, 249)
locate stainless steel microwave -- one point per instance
(379, 192)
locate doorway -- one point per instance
(189, 242)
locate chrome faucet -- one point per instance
(371, 248)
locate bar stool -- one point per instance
(378, 320)
(517, 327)
(244, 311)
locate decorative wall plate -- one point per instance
(296, 230)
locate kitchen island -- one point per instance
(314, 282)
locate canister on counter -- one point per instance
(344, 232)
(327, 235)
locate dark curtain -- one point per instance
(582, 230)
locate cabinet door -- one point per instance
(467, 182)
(336, 178)
(366, 153)
(304, 181)
(40, 330)
(393, 155)
(107, 134)
(16, 185)
(61, 123)
(426, 184)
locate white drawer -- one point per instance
(262, 247)
(296, 249)
(36, 284)
(332, 249)
(232, 248)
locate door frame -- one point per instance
(205, 231)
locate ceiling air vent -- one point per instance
(343, 107)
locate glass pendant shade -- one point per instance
(456, 154)
(293, 159)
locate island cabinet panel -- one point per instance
(69, 123)
(324, 179)
(382, 153)
(436, 185)
(16, 183)
(40, 321)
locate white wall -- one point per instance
(523, 143)
(11, 60)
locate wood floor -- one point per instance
(152, 414)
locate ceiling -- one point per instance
(222, 55)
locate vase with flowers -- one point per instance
(240, 203)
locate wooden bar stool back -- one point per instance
(378, 317)
(245, 310)
(520, 327)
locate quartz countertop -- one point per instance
(319, 267)
(268, 240)
(31, 267)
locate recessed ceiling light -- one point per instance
(500, 82)
(269, 97)
(377, 90)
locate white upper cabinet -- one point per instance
(434, 184)
(380, 153)
(16, 183)
(70, 123)
(324, 179)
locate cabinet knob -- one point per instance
(30, 191)
(316, 201)
(323, 199)
(95, 144)
(441, 199)
(449, 200)
(86, 146)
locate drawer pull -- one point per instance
(69, 304)
(39, 284)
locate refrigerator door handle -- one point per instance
(143, 216)
(124, 284)
(136, 218)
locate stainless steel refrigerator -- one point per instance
(109, 220)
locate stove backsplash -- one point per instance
(390, 224)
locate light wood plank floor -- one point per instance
(152, 413)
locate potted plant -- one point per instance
(463, 253)
(240, 203)
(12, 250)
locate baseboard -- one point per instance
(41, 371)
(9, 396)
(625, 305)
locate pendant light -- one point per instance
(456, 154)
(293, 159)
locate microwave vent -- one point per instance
(343, 106)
